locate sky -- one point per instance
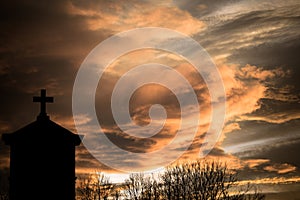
(254, 44)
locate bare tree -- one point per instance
(190, 181)
(116, 195)
(94, 187)
(139, 186)
(199, 180)
(202, 180)
(135, 186)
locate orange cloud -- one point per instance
(276, 118)
(253, 72)
(245, 86)
(280, 168)
(242, 97)
(251, 163)
(138, 15)
(283, 93)
(274, 180)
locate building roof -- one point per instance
(43, 129)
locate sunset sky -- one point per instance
(254, 44)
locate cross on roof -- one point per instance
(43, 99)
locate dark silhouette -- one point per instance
(95, 187)
(190, 181)
(42, 159)
(43, 99)
(195, 180)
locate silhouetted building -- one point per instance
(42, 159)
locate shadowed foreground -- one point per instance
(193, 181)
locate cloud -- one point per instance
(280, 168)
(157, 16)
(245, 87)
(258, 140)
(256, 73)
(278, 118)
(86, 162)
(239, 92)
(283, 93)
(274, 180)
(252, 163)
(239, 31)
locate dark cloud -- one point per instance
(86, 161)
(201, 8)
(281, 54)
(130, 143)
(270, 40)
(218, 152)
(277, 111)
(41, 47)
(267, 38)
(262, 172)
(285, 191)
(286, 153)
(258, 139)
(247, 30)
